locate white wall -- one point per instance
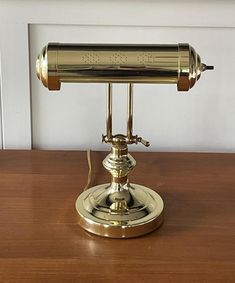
(74, 118)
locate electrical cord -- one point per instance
(89, 175)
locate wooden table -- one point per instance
(40, 240)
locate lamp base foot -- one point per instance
(131, 213)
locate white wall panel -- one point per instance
(15, 86)
(200, 120)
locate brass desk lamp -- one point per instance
(119, 209)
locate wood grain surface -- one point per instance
(40, 240)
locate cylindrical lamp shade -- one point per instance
(163, 64)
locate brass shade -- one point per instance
(163, 64)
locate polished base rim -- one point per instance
(128, 225)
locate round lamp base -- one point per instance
(133, 213)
